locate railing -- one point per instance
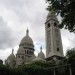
(54, 68)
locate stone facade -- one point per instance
(11, 60)
(25, 53)
(53, 37)
(54, 49)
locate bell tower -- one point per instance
(54, 49)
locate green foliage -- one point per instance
(41, 64)
(5, 70)
(66, 9)
(35, 68)
(1, 62)
(70, 54)
(39, 68)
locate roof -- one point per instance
(27, 39)
(11, 56)
(38, 59)
(41, 55)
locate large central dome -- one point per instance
(27, 39)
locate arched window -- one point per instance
(48, 25)
(57, 49)
(55, 24)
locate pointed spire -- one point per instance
(41, 48)
(12, 51)
(27, 32)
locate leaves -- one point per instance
(66, 9)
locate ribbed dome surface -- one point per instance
(26, 40)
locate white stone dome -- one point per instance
(27, 39)
(11, 56)
(20, 50)
(41, 54)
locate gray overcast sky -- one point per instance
(16, 16)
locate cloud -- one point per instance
(6, 35)
(33, 13)
(67, 39)
(17, 15)
(23, 14)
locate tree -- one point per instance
(70, 54)
(1, 62)
(71, 59)
(66, 9)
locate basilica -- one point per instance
(54, 50)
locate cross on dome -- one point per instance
(27, 32)
(41, 48)
(12, 51)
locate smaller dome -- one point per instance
(41, 54)
(20, 50)
(12, 56)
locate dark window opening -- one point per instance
(55, 24)
(48, 25)
(57, 49)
